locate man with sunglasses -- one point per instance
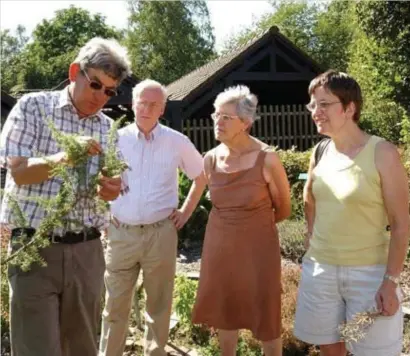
(55, 310)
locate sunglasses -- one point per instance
(98, 86)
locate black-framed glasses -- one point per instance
(98, 86)
(323, 105)
(224, 117)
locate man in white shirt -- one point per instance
(143, 233)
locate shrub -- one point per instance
(406, 338)
(405, 155)
(383, 118)
(290, 282)
(295, 163)
(205, 339)
(292, 240)
(5, 344)
(194, 229)
(184, 299)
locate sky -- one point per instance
(227, 17)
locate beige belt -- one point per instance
(118, 224)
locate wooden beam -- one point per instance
(216, 89)
(251, 62)
(174, 115)
(294, 64)
(272, 77)
(272, 50)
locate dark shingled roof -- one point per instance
(192, 81)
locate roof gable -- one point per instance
(291, 58)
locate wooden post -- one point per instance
(173, 114)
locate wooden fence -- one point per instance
(283, 126)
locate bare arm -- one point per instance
(194, 195)
(35, 170)
(26, 170)
(309, 203)
(181, 216)
(278, 184)
(396, 200)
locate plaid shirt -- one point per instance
(25, 134)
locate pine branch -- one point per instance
(74, 188)
(110, 163)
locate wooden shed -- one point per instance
(274, 69)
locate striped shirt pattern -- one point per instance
(26, 134)
(153, 177)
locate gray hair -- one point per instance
(107, 55)
(148, 84)
(240, 95)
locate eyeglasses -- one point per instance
(224, 117)
(98, 86)
(147, 104)
(323, 105)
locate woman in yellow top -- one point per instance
(356, 208)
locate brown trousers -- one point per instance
(153, 249)
(55, 310)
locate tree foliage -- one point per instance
(324, 31)
(380, 62)
(388, 24)
(11, 47)
(44, 62)
(370, 40)
(167, 39)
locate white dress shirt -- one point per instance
(153, 177)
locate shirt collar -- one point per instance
(153, 134)
(65, 100)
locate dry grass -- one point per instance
(357, 328)
(290, 283)
(406, 338)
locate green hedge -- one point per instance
(194, 229)
(295, 162)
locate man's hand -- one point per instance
(94, 148)
(386, 298)
(5, 234)
(109, 188)
(179, 218)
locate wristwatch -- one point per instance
(395, 280)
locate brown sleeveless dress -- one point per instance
(240, 280)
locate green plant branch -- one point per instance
(75, 187)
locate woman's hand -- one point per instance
(386, 298)
(308, 236)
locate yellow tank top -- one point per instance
(350, 226)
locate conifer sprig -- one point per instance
(74, 186)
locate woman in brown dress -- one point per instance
(240, 280)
